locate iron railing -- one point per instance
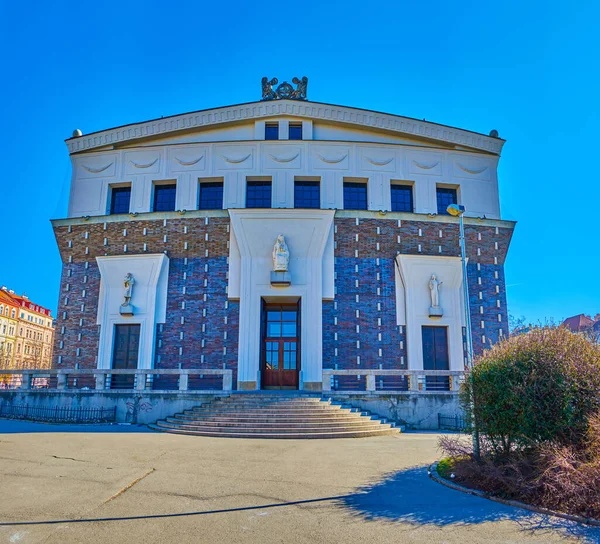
(59, 414)
(451, 423)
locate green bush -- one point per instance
(533, 389)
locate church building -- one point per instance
(278, 239)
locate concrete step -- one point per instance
(172, 422)
(292, 402)
(298, 419)
(275, 435)
(274, 410)
(275, 416)
(274, 405)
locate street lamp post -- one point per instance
(458, 211)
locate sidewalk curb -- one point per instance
(434, 475)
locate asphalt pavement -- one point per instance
(114, 483)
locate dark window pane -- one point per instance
(272, 131)
(288, 329)
(355, 196)
(402, 198)
(307, 194)
(274, 330)
(295, 132)
(445, 197)
(164, 198)
(258, 194)
(211, 196)
(274, 315)
(120, 198)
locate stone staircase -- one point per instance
(275, 415)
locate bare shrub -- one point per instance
(570, 480)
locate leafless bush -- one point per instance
(562, 478)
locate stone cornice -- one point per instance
(309, 110)
(194, 214)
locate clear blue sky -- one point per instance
(528, 69)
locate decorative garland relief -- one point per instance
(96, 170)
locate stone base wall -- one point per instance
(415, 411)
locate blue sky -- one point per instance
(527, 69)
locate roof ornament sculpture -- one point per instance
(284, 90)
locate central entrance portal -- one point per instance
(280, 346)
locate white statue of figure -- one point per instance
(434, 288)
(281, 255)
(128, 283)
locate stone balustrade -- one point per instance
(370, 381)
(376, 381)
(142, 378)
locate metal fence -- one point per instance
(59, 415)
(451, 423)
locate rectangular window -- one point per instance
(355, 196)
(445, 197)
(211, 196)
(295, 131)
(258, 194)
(272, 131)
(120, 198)
(402, 198)
(307, 194)
(164, 198)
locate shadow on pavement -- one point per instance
(410, 496)
(15, 426)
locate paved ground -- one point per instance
(127, 485)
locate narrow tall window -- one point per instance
(211, 196)
(307, 194)
(164, 198)
(355, 196)
(119, 199)
(402, 199)
(295, 132)
(258, 194)
(272, 131)
(445, 197)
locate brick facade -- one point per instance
(359, 325)
(364, 266)
(202, 324)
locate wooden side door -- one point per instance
(125, 355)
(436, 357)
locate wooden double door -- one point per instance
(280, 346)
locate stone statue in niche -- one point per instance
(281, 255)
(435, 309)
(128, 283)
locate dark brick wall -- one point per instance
(201, 268)
(207, 315)
(362, 259)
